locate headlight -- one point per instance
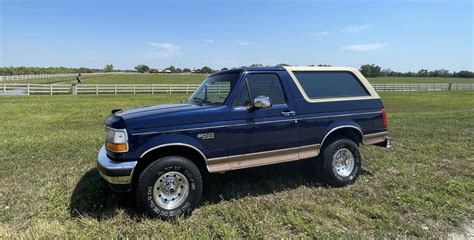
(116, 140)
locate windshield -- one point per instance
(215, 89)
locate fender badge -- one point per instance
(205, 136)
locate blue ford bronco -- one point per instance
(239, 119)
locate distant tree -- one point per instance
(178, 70)
(386, 72)
(206, 70)
(410, 74)
(423, 73)
(464, 74)
(370, 70)
(439, 73)
(323, 65)
(256, 65)
(171, 68)
(224, 69)
(186, 70)
(142, 68)
(282, 65)
(108, 68)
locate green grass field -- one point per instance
(197, 78)
(423, 187)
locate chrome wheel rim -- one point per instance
(343, 162)
(171, 190)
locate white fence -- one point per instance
(57, 75)
(389, 87)
(54, 89)
(43, 76)
(81, 89)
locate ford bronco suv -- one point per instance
(239, 119)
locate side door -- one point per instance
(269, 135)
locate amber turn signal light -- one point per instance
(116, 147)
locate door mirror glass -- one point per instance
(262, 102)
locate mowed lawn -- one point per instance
(150, 78)
(423, 187)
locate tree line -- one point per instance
(372, 70)
(368, 70)
(172, 69)
(44, 70)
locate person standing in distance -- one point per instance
(78, 78)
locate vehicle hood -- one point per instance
(156, 116)
(155, 109)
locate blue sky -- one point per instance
(401, 35)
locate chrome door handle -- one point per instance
(288, 113)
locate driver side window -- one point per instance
(263, 84)
(242, 99)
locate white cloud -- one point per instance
(164, 50)
(165, 46)
(210, 41)
(245, 43)
(364, 47)
(356, 28)
(318, 34)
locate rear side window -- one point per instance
(330, 84)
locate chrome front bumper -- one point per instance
(116, 173)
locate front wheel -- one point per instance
(169, 187)
(341, 162)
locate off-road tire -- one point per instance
(327, 160)
(149, 178)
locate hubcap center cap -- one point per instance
(170, 186)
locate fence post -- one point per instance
(115, 88)
(97, 89)
(450, 86)
(187, 88)
(134, 89)
(170, 89)
(50, 89)
(152, 89)
(4, 88)
(74, 89)
(27, 89)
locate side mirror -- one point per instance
(262, 102)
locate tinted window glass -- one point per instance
(242, 99)
(266, 85)
(330, 84)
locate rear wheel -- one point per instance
(341, 162)
(169, 187)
